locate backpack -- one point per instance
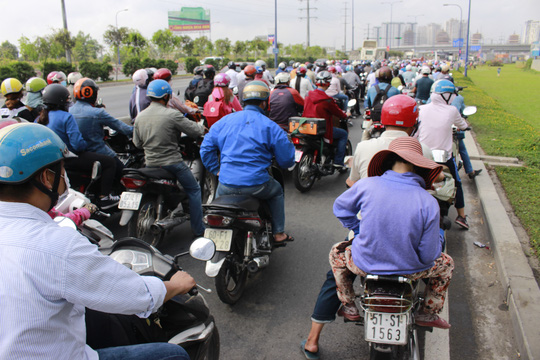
(203, 91)
(213, 111)
(380, 98)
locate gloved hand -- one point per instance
(91, 207)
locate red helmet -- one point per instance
(163, 74)
(250, 70)
(302, 70)
(332, 69)
(56, 77)
(399, 110)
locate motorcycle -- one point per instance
(154, 201)
(130, 155)
(238, 239)
(372, 129)
(314, 157)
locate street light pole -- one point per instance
(468, 31)
(118, 43)
(460, 22)
(275, 36)
(391, 9)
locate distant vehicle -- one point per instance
(371, 52)
(215, 58)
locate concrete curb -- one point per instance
(523, 294)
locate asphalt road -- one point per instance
(273, 316)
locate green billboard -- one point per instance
(189, 19)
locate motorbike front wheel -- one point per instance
(231, 281)
(212, 352)
(303, 173)
(142, 220)
(209, 187)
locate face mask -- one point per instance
(66, 192)
(64, 83)
(33, 100)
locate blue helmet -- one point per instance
(259, 69)
(27, 148)
(443, 86)
(348, 68)
(157, 89)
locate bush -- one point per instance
(191, 63)
(18, 70)
(495, 62)
(528, 63)
(95, 70)
(130, 66)
(7, 72)
(63, 66)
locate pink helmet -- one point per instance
(56, 77)
(222, 80)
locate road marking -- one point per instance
(437, 345)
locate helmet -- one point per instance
(56, 94)
(150, 73)
(198, 70)
(231, 65)
(282, 77)
(209, 71)
(259, 69)
(302, 70)
(140, 77)
(158, 89)
(56, 77)
(255, 90)
(309, 66)
(163, 74)
(446, 77)
(250, 70)
(260, 63)
(348, 68)
(426, 70)
(443, 86)
(222, 80)
(332, 69)
(323, 77)
(243, 65)
(291, 62)
(282, 65)
(338, 69)
(86, 89)
(320, 64)
(35, 84)
(73, 77)
(11, 86)
(385, 74)
(445, 68)
(408, 67)
(399, 110)
(296, 64)
(26, 148)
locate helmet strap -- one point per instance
(447, 100)
(52, 193)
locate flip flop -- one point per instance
(283, 242)
(308, 354)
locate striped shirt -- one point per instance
(48, 275)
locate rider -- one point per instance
(408, 75)
(310, 74)
(175, 102)
(12, 89)
(385, 77)
(284, 101)
(334, 90)
(222, 101)
(56, 117)
(34, 96)
(189, 93)
(281, 68)
(240, 147)
(301, 83)
(319, 105)
(54, 273)
(205, 86)
(422, 87)
(232, 74)
(157, 131)
(249, 75)
(266, 73)
(435, 130)
(354, 82)
(72, 78)
(139, 101)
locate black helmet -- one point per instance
(231, 65)
(56, 94)
(150, 72)
(291, 63)
(198, 70)
(323, 77)
(243, 65)
(385, 74)
(209, 71)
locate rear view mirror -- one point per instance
(96, 170)
(351, 103)
(202, 249)
(469, 110)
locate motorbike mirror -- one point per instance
(63, 221)
(96, 170)
(235, 90)
(351, 103)
(400, 88)
(469, 110)
(202, 249)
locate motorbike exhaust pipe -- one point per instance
(258, 263)
(167, 223)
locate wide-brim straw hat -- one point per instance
(410, 150)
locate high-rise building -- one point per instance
(476, 39)
(532, 32)
(452, 29)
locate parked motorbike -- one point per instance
(238, 239)
(154, 201)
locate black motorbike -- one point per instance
(240, 240)
(313, 155)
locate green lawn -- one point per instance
(508, 124)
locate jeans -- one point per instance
(340, 142)
(464, 154)
(151, 351)
(344, 100)
(460, 200)
(271, 191)
(193, 191)
(328, 302)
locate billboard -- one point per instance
(189, 19)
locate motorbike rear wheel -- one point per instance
(303, 173)
(231, 281)
(142, 220)
(209, 187)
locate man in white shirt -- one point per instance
(232, 74)
(49, 274)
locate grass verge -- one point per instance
(508, 124)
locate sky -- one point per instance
(245, 19)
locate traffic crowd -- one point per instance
(243, 114)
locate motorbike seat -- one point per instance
(239, 202)
(151, 172)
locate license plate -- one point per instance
(386, 328)
(221, 237)
(297, 155)
(130, 200)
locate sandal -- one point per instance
(308, 354)
(283, 242)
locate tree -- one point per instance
(86, 48)
(29, 52)
(239, 48)
(8, 51)
(202, 46)
(135, 43)
(187, 45)
(63, 38)
(165, 41)
(114, 36)
(222, 46)
(257, 45)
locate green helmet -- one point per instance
(35, 84)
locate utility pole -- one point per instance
(68, 51)
(368, 33)
(352, 24)
(308, 17)
(345, 32)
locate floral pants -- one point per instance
(439, 276)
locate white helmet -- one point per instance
(282, 78)
(408, 67)
(73, 77)
(260, 63)
(426, 70)
(139, 77)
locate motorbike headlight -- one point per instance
(137, 261)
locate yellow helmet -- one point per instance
(11, 85)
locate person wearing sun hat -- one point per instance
(400, 228)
